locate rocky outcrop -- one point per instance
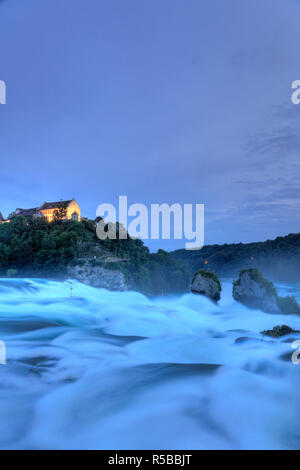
(279, 331)
(98, 276)
(206, 283)
(98, 267)
(252, 290)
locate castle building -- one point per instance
(48, 209)
(73, 211)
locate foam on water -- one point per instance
(111, 370)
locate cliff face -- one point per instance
(98, 267)
(97, 276)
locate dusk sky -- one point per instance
(162, 100)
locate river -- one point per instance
(91, 369)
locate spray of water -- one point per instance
(93, 369)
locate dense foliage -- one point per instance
(35, 247)
(31, 244)
(278, 259)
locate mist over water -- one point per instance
(110, 370)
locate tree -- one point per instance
(60, 213)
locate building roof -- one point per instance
(1, 217)
(27, 212)
(36, 211)
(53, 205)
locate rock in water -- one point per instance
(279, 331)
(206, 283)
(254, 291)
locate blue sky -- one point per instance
(162, 101)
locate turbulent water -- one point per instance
(93, 369)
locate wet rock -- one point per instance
(206, 283)
(279, 331)
(254, 291)
(245, 339)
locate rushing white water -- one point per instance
(110, 370)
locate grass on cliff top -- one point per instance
(287, 305)
(208, 275)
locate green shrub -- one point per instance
(288, 305)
